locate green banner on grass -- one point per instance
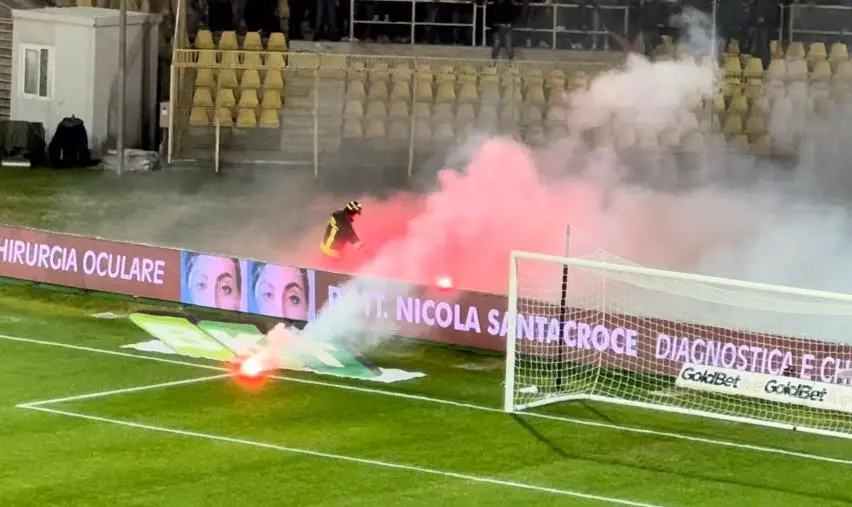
(224, 341)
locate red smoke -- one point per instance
(471, 222)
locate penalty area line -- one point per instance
(427, 399)
(345, 458)
(113, 392)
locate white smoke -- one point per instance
(722, 214)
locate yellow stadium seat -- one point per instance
(353, 109)
(276, 42)
(273, 80)
(733, 47)
(719, 103)
(532, 114)
(422, 110)
(225, 117)
(246, 118)
(252, 60)
(443, 132)
(817, 51)
(228, 78)
(512, 94)
(578, 81)
(733, 125)
(275, 61)
(398, 130)
(376, 109)
(557, 97)
(357, 71)
(795, 51)
(352, 129)
(228, 40)
(355, 91)
(468, 93)
(375, 129)
(378, 90)
(400, 91)
(202, 98)
(760, 105)
(446, 92)
(773, 90)
(839, 52)
(269, 119)
(225, 98)
(423, 92)
(733, 70)
(739, 105)
(199, 117)
(401, 72)
(755, 125)
(487, 115)
(532, 76)
(204, 77)
(248, 99)
(422, 130)
(443, 112)
(777, 69)
(230, 59)
(252, 42)
(271, 100)
(204, 40)
(510, 115)
(776, 50)
(399, 110)
(250, 79)
(797, 69)
(489, 92)
(535, 94)
(465, 114)
(753, 71)
(821, 71)
(207, 58)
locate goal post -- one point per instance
(616, 332)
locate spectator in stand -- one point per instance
(504, 15)
(326, 16)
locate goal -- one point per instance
(585, 329)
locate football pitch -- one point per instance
(89, 423)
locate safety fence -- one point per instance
(379, 113)
(812, 22)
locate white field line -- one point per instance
(112, 392)
(348, 459)
(470, 406)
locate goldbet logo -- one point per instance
(797, 390)
(712, 378)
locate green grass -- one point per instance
(52, 459)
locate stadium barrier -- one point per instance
(461, 318)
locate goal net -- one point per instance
(728, 349)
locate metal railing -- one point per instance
(559, 25)
(806, 22)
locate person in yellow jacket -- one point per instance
(339, 232)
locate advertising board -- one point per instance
(463, 318)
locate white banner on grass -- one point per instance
(775, 388)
